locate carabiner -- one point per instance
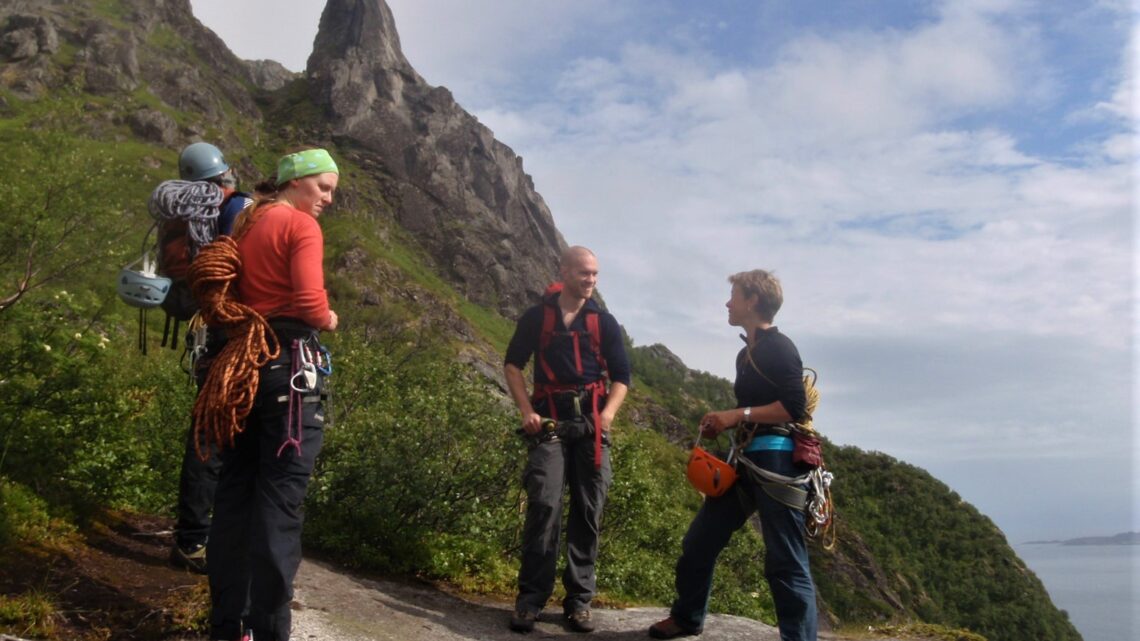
(324, 360)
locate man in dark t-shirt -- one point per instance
(566, 422)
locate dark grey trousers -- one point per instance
(552, 465)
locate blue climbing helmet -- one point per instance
(201, 161)
(139, 285)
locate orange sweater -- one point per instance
(282, 270)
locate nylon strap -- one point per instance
(792, 497)
(780, 487)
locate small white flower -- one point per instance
(47, 348)
(78, 336)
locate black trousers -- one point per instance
(196, 486)
(198, 479)
(255, 540)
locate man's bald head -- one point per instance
(572, 255)
(579, 271)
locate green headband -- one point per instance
(304, 163)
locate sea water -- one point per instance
(1098, 585)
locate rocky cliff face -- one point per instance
(462, 193)
(55, 47)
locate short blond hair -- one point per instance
(765, 286)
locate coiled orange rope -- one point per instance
(226, 398)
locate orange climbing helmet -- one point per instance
(710, 475)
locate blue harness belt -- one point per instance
(771, 442)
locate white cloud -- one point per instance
(259, 29)
(478, 49)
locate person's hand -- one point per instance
(532, 423)
(331, 326)
(714, 423)
(606, 419)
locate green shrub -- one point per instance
(419, 472)
(26, 518)
(29, 614)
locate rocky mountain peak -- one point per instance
(361, 32)
(462, 193)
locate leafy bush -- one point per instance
(79, 427)
(26, 518)
(419, 473)
(86, 421)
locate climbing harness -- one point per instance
(553, 391)
(814, 502)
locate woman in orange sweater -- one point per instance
(255, 540)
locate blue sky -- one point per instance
(947, 190)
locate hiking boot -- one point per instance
(579, 621)
(523, 620)
(192, 558)
(670, 629)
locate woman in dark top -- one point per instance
(769, 393)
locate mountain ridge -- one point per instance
(1122, 538)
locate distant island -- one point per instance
(1124, 538)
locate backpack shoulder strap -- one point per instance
(594, 328)
(231, 206)
(549, 309)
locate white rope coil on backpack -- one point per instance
(196, 202)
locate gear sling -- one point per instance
(552, 389)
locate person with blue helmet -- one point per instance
(201, 161)
(198, 480)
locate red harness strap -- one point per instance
(596, 388)
(593, 331)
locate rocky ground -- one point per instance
(116, 585)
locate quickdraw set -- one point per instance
(310, 365)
